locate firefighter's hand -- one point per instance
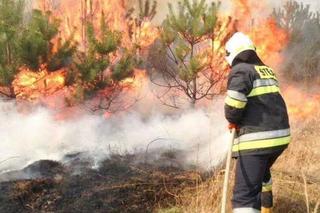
(233, 126)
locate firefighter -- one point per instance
(255, 107)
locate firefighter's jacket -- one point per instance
(255, 104)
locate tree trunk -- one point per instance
(194, 82)
(12, 94)
(9, 57)
(194, 92)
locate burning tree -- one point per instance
(89, 62)
(44, 57)
(102, 67)
(41, 45)
(110, 40)
(303, 50)
(190, 39)
(113, 51)
(28, 43)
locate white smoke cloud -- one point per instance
(26, 138)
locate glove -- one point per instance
(233, 126)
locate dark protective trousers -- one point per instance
(253, 183)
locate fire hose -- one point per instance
(227, 173)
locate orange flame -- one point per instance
(269, 39)
(136, 82)
(146, 34)
(29, 85)
(297, 109)
(74, 14)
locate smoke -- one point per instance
(199, 133)
(302, 54)
(26, 138)
(314, 4)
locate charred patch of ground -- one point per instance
(120, 184)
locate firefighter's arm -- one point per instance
(239, 86)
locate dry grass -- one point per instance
(303, 154)
(204, 197)
(297, 172)
(296, 177)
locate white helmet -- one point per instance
(238, 43)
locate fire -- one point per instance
(146, 34)
(29, 85)
(269, 39)
(225, 29)
(74, 14)
(298, 109)
(136, 82)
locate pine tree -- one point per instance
(11, 23)
(93, 63)
(184, 32)
(36, 44)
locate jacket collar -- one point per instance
(249, 57)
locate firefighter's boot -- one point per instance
(266, 197)
(266, 210)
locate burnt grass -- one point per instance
(121, 183)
